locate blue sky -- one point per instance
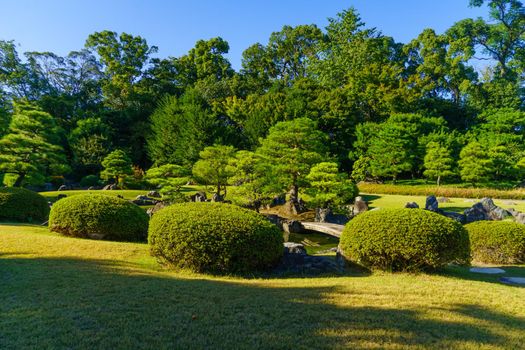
(174, 26)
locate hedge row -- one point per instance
(497, 242)
(451, 192)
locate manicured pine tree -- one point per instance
(212, 168)
(289, 151)
(474, 163)
(116, 166)
(438, 162)
(31, 146)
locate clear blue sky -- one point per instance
(61, 26)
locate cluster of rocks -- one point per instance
(144, 200)
(326, 215)
(483, 210)
(296, 260)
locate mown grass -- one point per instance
(454, 204)
(64, 293)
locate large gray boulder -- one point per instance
(360, 206)
(486, 210)
(432, 204)
(293, 226)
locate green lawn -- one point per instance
(63, 293)
(455, 204)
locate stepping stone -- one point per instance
(513, 280)
(487, 270)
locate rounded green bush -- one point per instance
(214, 237)
(497, 242)
(98, 216)
(19, 204)
(404, 240)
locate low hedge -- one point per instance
(98, 216)
(19, 204)
(441, 191)
(497, 242)
(214, 237)
(404, 240)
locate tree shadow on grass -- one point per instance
(461, 272)
(71, 303)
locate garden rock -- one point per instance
(294, 248)
(293, 226)
(217, 198)
(199, 197)
(461, 218)
(156, 208)
(110, 187)
(327, 216)
(144, 200)
(412, 205)
(360, 206)
(276, 220)
(322, 214)
(296, 260)
(486, 210)
(443, 200)
(154, 194)
(432, 204)
(63, 188)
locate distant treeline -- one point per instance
(390, 110)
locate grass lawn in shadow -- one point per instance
(64, 293)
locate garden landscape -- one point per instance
(340, 188)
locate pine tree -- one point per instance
(31, 149)
(475, 164)
(116, 166)
(438, 162)
(290, 150)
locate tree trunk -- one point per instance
(19, 180)
(293, 205)
(438, 180)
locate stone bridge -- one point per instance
(334, 230)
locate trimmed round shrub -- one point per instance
(497, 242)
(214, 237)
(98, 216)
(19, 204)
(404, 240)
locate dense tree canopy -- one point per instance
(436, 106)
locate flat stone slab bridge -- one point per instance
(334, 230)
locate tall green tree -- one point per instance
(90, 142)
(438, 162)
(117, 165)
(169, 178)
(31, 147)
(212, 167)
(474, 164)
(290, 150)
(329, 187)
